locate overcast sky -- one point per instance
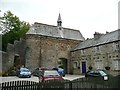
(88, 16)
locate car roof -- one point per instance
(97, 70)
(50, 70)
(23, 68)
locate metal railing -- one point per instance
(81, 83)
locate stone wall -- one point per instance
(3, 61)
(16, 49)
(98, 57)
(46, 51)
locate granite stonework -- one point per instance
(55, 46)
(47, 45)
(13, 50)
(99, 52)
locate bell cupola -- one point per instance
(59, 21)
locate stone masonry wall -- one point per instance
(4, 63)
(98, 57)
(16, 49)
(46, 51)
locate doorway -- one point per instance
(83, 67)
(16, 60)
(63, 64)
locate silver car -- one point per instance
(24, 72)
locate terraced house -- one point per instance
(100, 52)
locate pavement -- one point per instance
(73, 77)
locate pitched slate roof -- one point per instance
(55, 31)
(103, 39)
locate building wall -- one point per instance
(8, 57)
(16, 49)
(46, 51)
(98, 57)
(3, 62)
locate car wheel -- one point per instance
(19, 76)
(63, 75)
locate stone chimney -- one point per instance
(97, 35)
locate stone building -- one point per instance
(44, 46)
(49, 46)
(100, 52)
(55, 46)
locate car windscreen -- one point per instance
(102, 73)
(51, 73)
(25, 70)
(60, 69)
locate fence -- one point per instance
(83, 83)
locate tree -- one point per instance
(12, 29)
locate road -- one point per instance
(35, 79)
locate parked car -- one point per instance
(24, 72)
(49, 75)
(61, 71)
(37, 71)
(97, 73)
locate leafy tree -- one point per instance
(12, 29)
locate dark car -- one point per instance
(24, 72)
(97, 73)
(61, 71)
(49, 75)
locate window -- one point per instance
(116, 55)
(109, 56)
(81, 51)
(97, 49)
(116, 64)
(115, 46)
(99, 65)
(75, 64)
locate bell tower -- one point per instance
(59, 21)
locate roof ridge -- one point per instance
(56, 26)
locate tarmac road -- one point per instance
(35, 79)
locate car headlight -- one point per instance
(21, 73)
(29, 72)
(105, 77)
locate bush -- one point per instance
(4, 73)
(107, 68)
(90, 67)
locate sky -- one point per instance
(88, 16)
